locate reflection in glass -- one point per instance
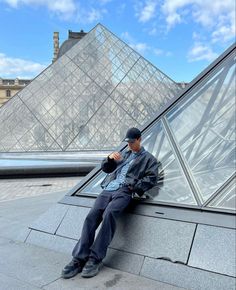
(172, 185)
(204, 127)
(227, 199)
(94, 186)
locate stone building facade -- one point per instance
(9, 87)
(73, 38)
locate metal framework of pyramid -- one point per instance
(194, 141)
(86, 99)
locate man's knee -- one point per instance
(110, 213)
(93, 214)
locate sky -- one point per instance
(180, 37)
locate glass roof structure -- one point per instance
(86, 99)
(193, 139)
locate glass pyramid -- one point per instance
(194, 141)
(86, 99)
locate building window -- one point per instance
(8, 93)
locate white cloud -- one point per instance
(161, 52)
(94, 15)
(209, 13)
(216, 16)
(223, 33)
(146, 11)
(141, 47)
(170, 10)
(127, 37)
(158, 51)
(64, 8)
(152, 31)
(201, 51)
(196, 36)
(225, 29)
(12, 3)
(16, 67)
(90, 16)
(169, 53)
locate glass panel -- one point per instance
(204, 127)
(97, 132)
(172, 185)
(227, 199)
(94, 186)
(72, 93)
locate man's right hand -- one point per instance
(116, 156)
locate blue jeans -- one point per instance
(107, 207)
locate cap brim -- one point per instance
(129, 140)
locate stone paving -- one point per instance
(11, 189)
(28, 267)
(35, 268)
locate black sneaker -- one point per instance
(91, 268)
(72, 269)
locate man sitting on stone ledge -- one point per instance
(132, 171)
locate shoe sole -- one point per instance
(91, 274)
(70, 274)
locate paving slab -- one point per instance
(72, 224)
(10, 283)
(11, 228)
(29, 208)
(110, 279)
(184, 276)
(214, 249)
(154, 237)
(53, 242)
(51, 219)
(124, 261)
(22, 236)
(17, 215)
(29, 263)
(3, 241)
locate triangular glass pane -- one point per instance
(172, 184)
(227, 198)
(204, 128)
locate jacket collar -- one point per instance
(140, 152)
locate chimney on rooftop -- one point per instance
(55, 45)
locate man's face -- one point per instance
(135, 146)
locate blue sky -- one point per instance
(180, 37)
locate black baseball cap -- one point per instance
(132, 134)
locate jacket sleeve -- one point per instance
(149, 179)
(108, 165)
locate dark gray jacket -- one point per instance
(142, 173)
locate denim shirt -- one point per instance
(121, 173)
